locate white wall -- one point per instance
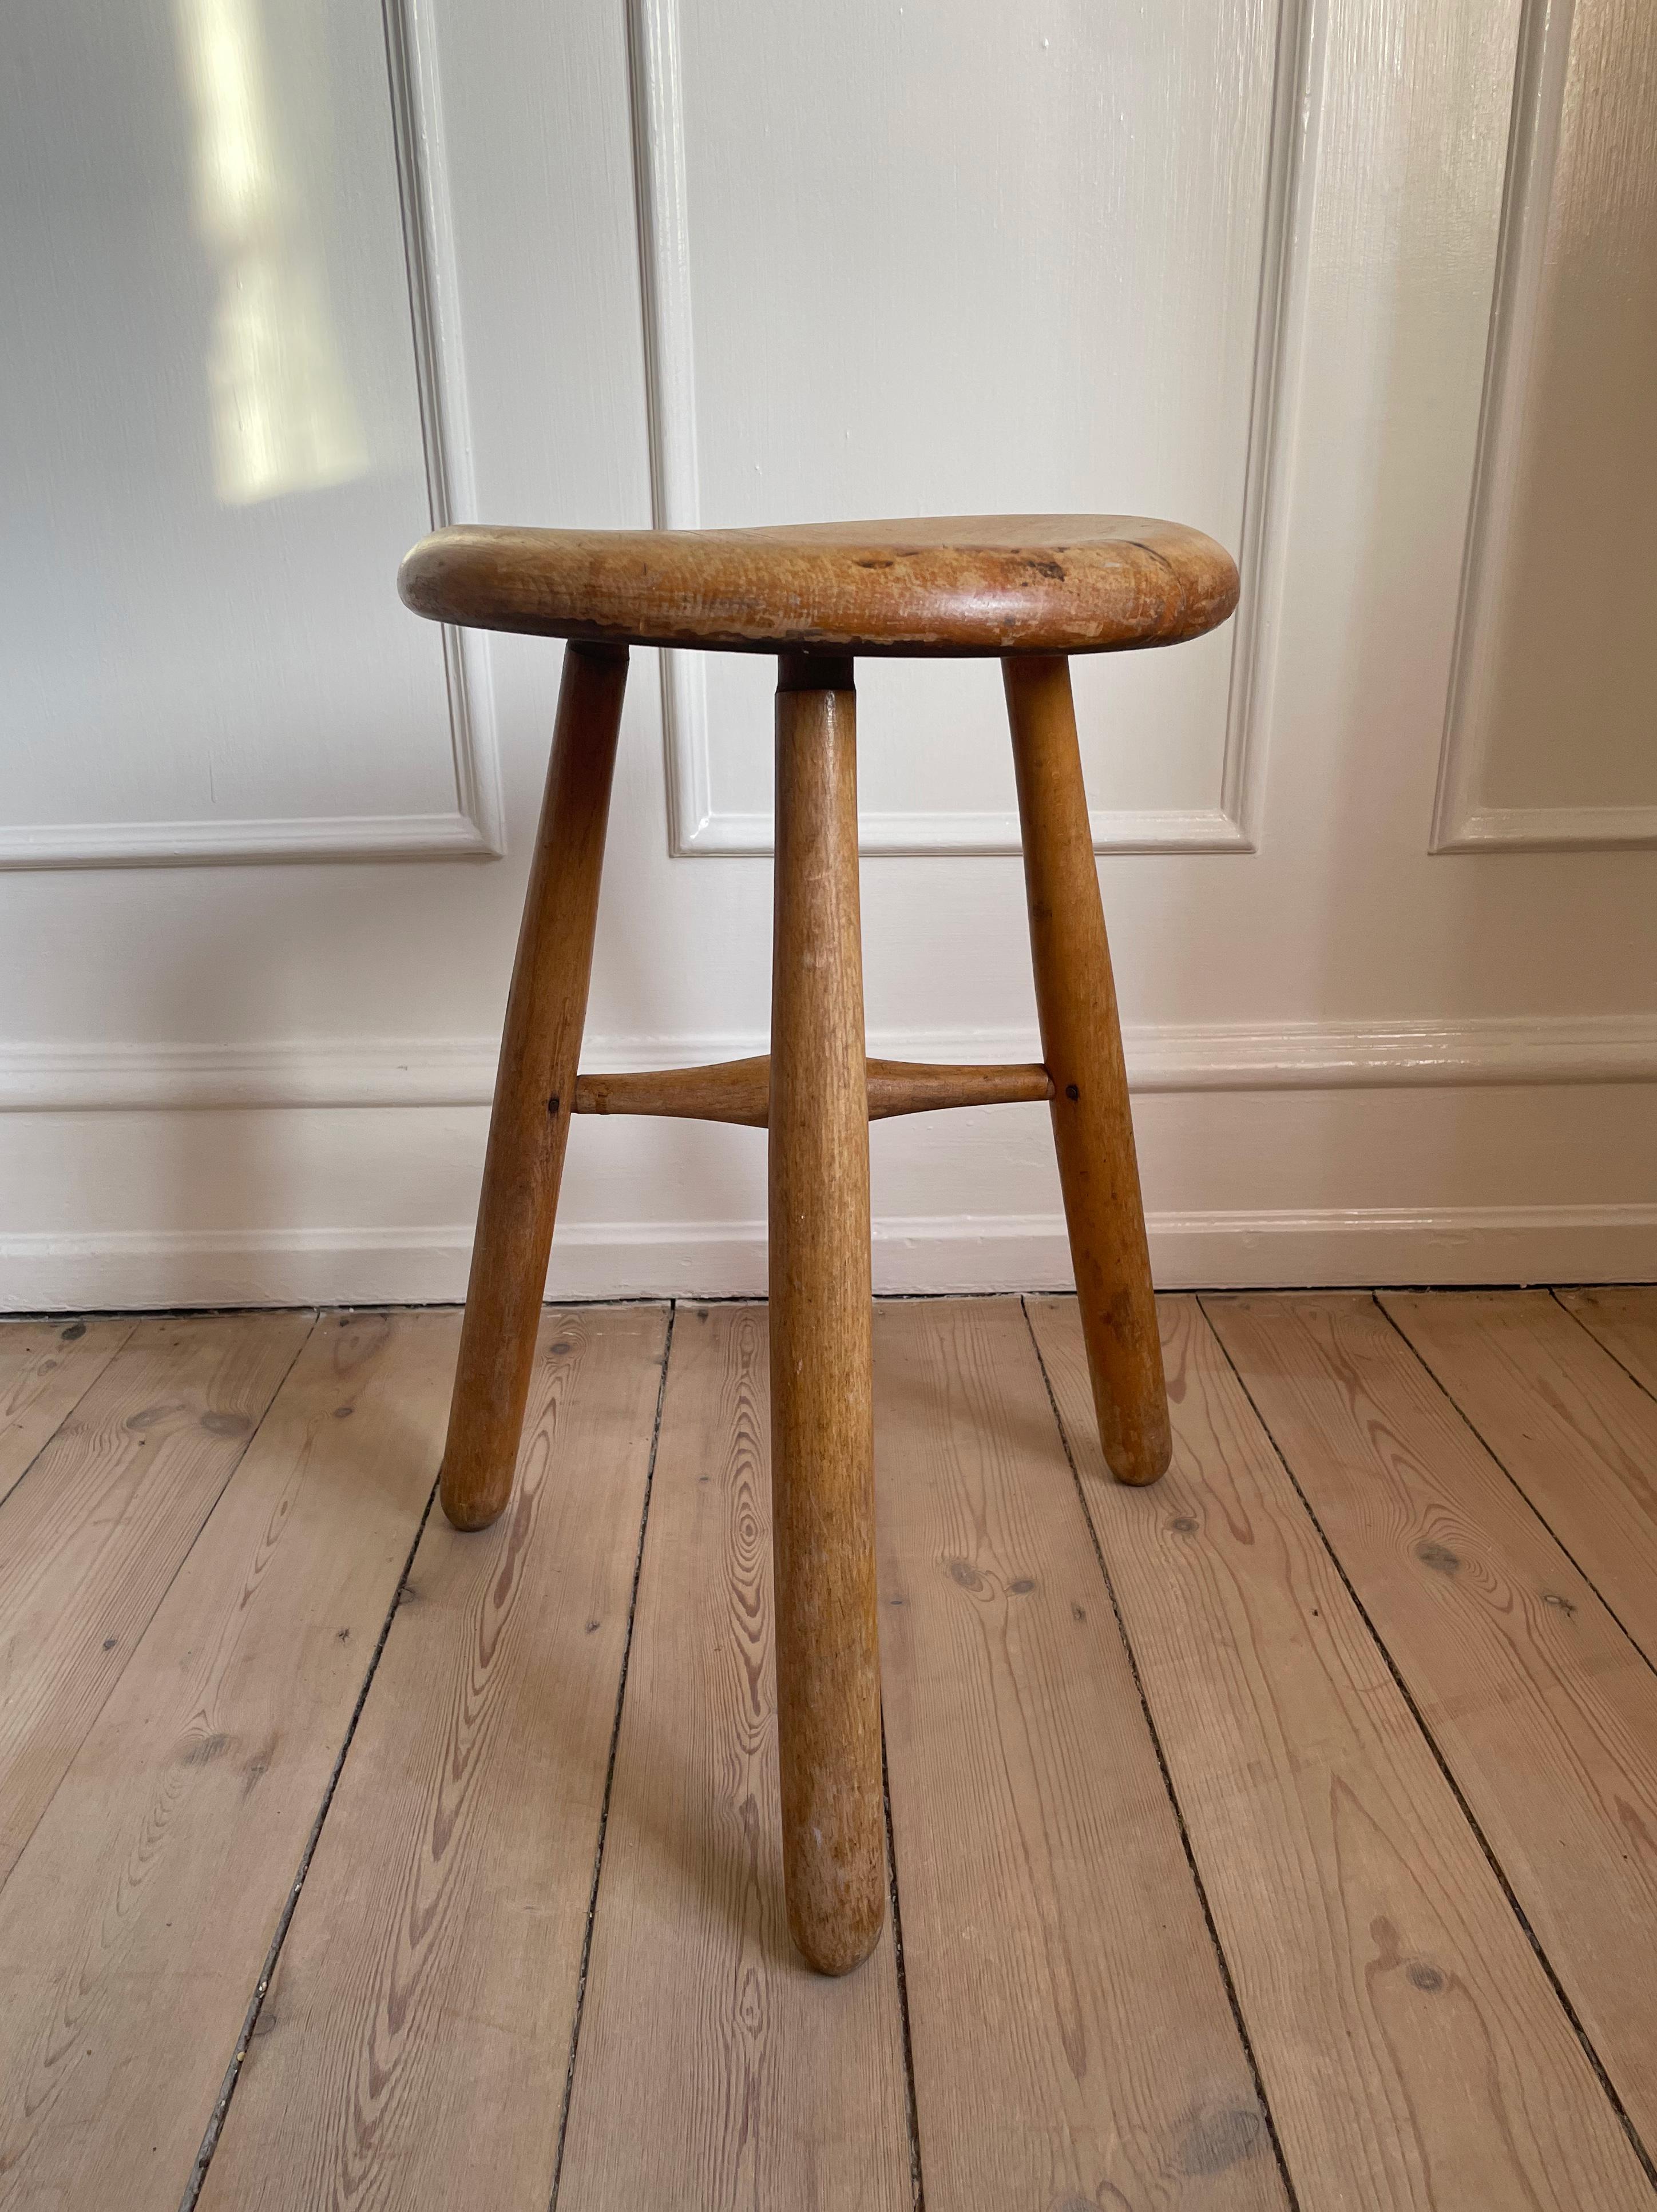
(1230, 262)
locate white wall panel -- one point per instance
(1551, 739)
(1357, 1060)
(953, 258)
(220, 423)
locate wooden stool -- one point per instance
(1032, 589)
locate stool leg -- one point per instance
(828, 1682)
(534, 1092)
(1081, 1044)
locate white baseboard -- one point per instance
(400, 1164)
(1169, 1056)
(128, 1269)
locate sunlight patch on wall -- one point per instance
(283, 418)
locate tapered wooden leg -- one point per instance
(534, 1092)
(828, 1686)
(1081, 1044)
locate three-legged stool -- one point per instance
(1031, 590)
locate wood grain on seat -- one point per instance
(955, 586)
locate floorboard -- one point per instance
(413, 2048)
(1278, 1839)
(1572, 1428)
(137, 1921)
(1623, 1317)
(714, 2070)
(1073, 2041)
(95, 1531)
(1413, 2050)
(1543, 1710)
(46, 1367)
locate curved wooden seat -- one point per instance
(955, 586)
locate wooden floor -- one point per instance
(1282, 1836)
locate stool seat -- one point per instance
(951, 586)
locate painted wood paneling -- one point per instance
(1361, 1061)
(911, 300)
(221, 424)
(1549, 741)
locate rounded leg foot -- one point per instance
(467, 1510)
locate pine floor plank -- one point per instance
(46, 1367)
(1576, 1433)
(1624, 1317)
(94, 1533)
(1544, 1712)
(1413, 2050)
(714, 2070)
(137, 1921)
(1073, 2042)
(413, 2048)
